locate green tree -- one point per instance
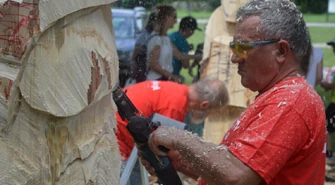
(312, 6)
(213, 3)
(145, 3)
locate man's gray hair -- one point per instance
(212, 90)
(280, 19)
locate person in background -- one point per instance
(187, 27)
(197, 126)
(314, 75)
(151, 97)
(139, 57)
(330, 113)
(160, 50)
(283, 131)
(330, 85)
(196, 64)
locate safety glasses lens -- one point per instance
(242, 50)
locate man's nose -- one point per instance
(236, 59)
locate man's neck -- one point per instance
(280, 77)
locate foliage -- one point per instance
(305, 6)
(150, 3)
(145, 3)
(214, 3)
(312, 6)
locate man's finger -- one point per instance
(148, 166)
(155, 147)
(139, 155)
(145, 162)
(150, 169)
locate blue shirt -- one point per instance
(181, 43)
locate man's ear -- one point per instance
(283, 50)
(204, 104)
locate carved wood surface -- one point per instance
(57, 123)
(217, 64)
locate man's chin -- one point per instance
(244, 82)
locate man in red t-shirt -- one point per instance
(280, 138)
(172, 100)
(166, 98)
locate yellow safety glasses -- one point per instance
(243, 49)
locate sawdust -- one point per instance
(187, 181)
(330, 172)
(190, 181)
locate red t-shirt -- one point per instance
(166, 98)
(281, 136)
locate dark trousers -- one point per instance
(330, 115)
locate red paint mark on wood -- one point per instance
(7, 89)
(96, 78)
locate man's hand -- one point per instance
(146, 164)
(163, 136)
(198, 58)
(173, 156)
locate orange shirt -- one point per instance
(281, 136)
(163, 97)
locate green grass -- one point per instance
(195, 14)
(322, 18)
(321, 34)
(328, 58)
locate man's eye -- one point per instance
(245, 47)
